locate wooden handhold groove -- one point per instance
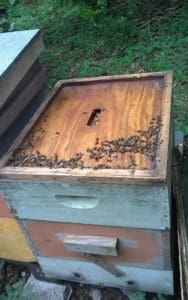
(91, 244)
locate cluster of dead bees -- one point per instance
(144, 142)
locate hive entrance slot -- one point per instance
(95, 117)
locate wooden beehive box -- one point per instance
(97, 154)
(22, 78)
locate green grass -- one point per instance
(91, 40)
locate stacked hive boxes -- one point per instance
(22, 89)
(89, 180)
(21, 76)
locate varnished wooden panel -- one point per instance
(61, 128)
(143, 248)
(142, 279)
(126, 108)
(13, 244)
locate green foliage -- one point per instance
(13, 292)
(92, 38)
(142, 296)
(6, 6)
(137, 296)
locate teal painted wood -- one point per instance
(135, 278)
(131, 206)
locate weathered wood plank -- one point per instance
(91, 244)
(163, 163)
(136, 278)
(9, 137)
(22, 100)
(22, 83)
(139, 248)
(13, 244)
(19, 50)
(141, 177)
(181, 227)
(111, 78)
(33, 118)
(103, 204)
(103, 263)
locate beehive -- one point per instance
(22, 78)
(94, 161)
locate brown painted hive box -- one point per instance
(95, 160)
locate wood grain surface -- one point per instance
(126, 107)
(158, 169)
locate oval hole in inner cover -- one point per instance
(78, 202)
